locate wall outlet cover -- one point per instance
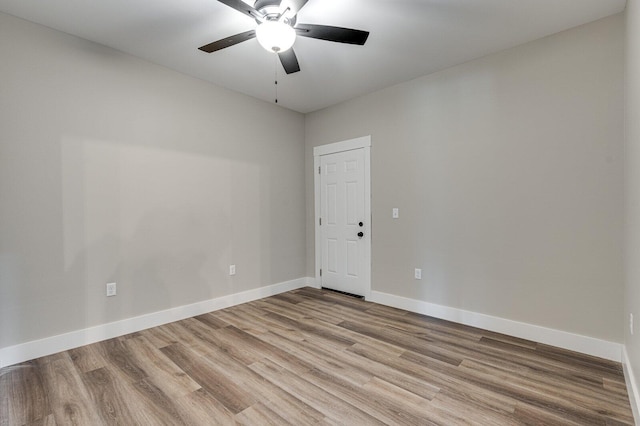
(232, 269)
(418, 274)
(111, 289)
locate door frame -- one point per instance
(334, 148)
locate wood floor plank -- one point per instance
(302, 310)
(417, 327)
(440, 375)
(293, 297)
(161, 371)
(314, 396)
(260, 414)
(541, 360)
(408, 382)
(181, 333)
(201, 408)
(215, 382)
(252, 349)
(380, 404)
(159, 336)
(70, 402)
(318, 358)
(108, 396)
(318, 330)
(218, 339)
(458, 412)
(595, 396)
(526, 414)
(87, 358)
(404, 340)
(315, 357)
(247, 322)
(264, 391)
(118, 355)
(162, 406)
(581, 408)
(356, 369)
(548, 376)
(211, 321)
(47, 421)
(22, 394)
(272, 324)
(292, 409)
(348, 337)
(617, 387)
(250, 308)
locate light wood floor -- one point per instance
(311, 357)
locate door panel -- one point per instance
(332, 200)
(352, 258)
(342, 209)
(332, 255)
(352, 201)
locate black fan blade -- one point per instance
(289, 61)
(337, 34)
(229, 41)
(293, 5)
(242, 7)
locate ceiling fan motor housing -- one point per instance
(271, 10)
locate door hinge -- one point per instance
(318, 169)
(320, 272)
(320, 221)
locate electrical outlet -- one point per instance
(232, 269)
(631, 324)
(111, 289)
(395, 213)
(418, 274)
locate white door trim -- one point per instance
(332, 148)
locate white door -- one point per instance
(343, 226)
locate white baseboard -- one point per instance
(35, 349)
(632, 386)
(562, 339)
(30, 350)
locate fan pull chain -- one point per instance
(275, 74)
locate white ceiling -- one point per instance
(409, 38)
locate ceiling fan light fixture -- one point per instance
(275, 36)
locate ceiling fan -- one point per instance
(277, 30)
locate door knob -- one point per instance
(360, 234)
(360, 224)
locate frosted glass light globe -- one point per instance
(275, 36)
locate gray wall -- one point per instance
(632, 185)
(115, 169)
(507, 171)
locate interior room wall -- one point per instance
(632, 192)
(113, 169)
(507, 172)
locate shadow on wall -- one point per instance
(164, 223)
(155, 222)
